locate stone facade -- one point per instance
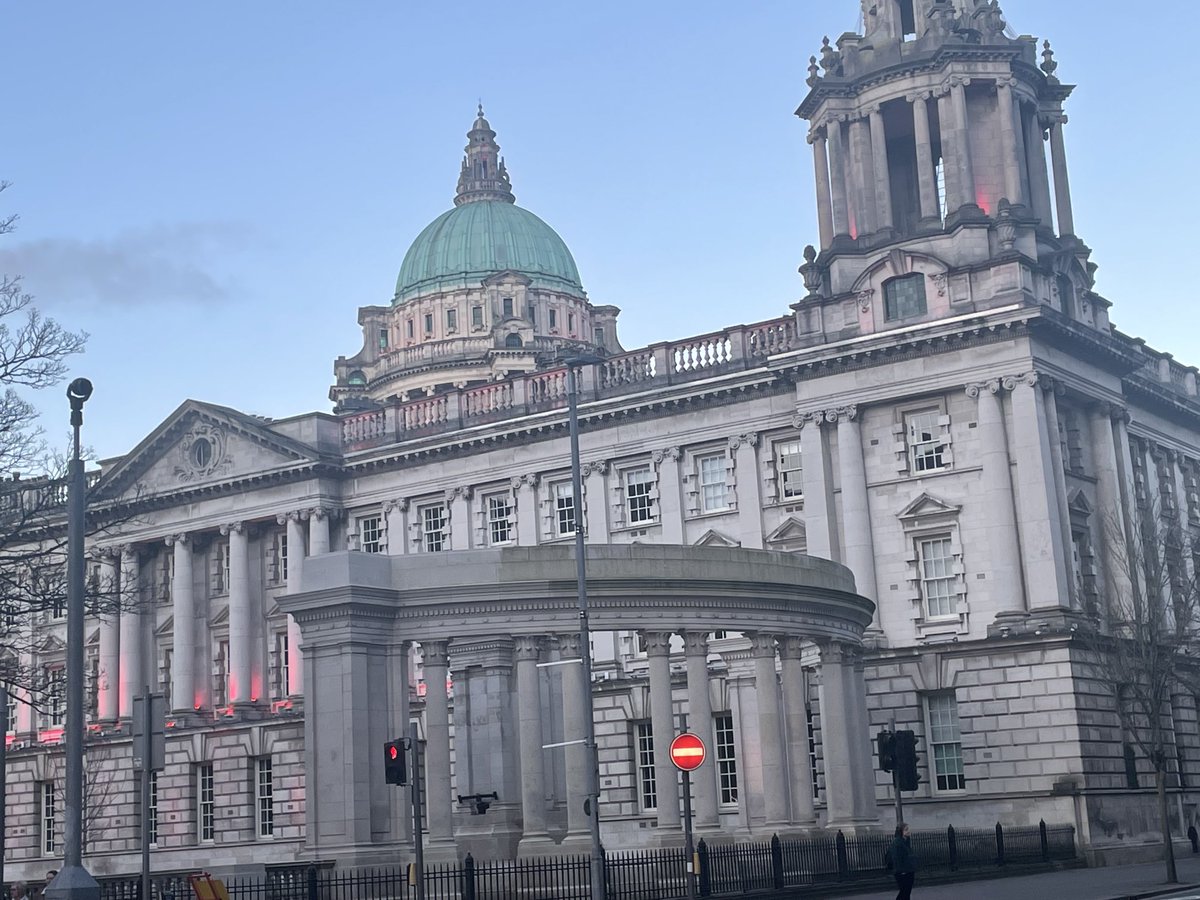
(947, 415)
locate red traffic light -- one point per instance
(394, 763)
(687, 751)
(393, 751)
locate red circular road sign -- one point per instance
(687, 751)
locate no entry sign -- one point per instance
(687, 751)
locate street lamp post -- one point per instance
(585, 638)
(74, 882)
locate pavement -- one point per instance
(1106, 883)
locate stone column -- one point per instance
(795, 714)
(862, 178)
(108, 702)
(844, 737)
(749, 489)
(458, 502)
(534, 839)
(700, 721)
(397, 534)
(962, 140)
(662, 719)
(818, 504)
(1035, 161)
(1010, 150)
(857, 541)
(824, 201)
(1051, 389)
(524, 489)
(997, 497)
(951, 170)
(1043, 555)
(837, 177)
(1062, 185)
(183, 646)
(770, 731)
(574, 726)
(132, 678)
(670, 497)
(1111, 513)
(295, 581)
(926, 174)
(241, 623)
(883, 178)
(318, 530)
(595, 501)
(440, 801)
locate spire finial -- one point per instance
(483, 175)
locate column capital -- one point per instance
(918, 95)
(435, 653)
(750, 438)
(816, 135)
(172, 539)
(292, 515)
(529, 480)
(1027, 379)
(657, 643)
(791, 647)
(762, 645)
(527, 647)
(842, 414)
(463, 492)
(839, 653)
(975, 389)
(322, 512)
(593, 467)
(400, 503)
(667, 453)
(1119, 413)
(695, 643)
(232, 528)
(568, 644)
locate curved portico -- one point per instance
(491, 615)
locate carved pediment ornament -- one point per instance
(202, 453)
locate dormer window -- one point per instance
(904, 297)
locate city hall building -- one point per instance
(887, 502)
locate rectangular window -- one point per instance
(1069, 441)
(56, 695)
(553, 318)
(714, 494)
(564, 509)
(47, 816)
(598, 336)
(428, 323)
(810, 718)
(166, 656)
(926, 445)
(945, 742)
(277, 561)
(935, 562)
(531, 315)
(726, 758)
(639, 496)
(221, 675)
(206, 803)
(452, 320)
(370, 534)
(383, 338)
(265, 794)
(643, 734)
(409, 329)
(1191, 486)
(10, 725)
(152, 820)
(433, 528)
(499, 519)
(507, 305)
(476, 316)
(904, 297)
(789, 475)
(571, 323)
(282, 656)
(164, 573)
(220, 563)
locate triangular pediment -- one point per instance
(790, 531)
(93, 638)
(1078, 502)
(52, 644)
(714, 538)
(928, 505)
(167, 627)
(201, 443)
(508, 276)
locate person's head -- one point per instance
(19, 889)
(50, 875)
(901, 829)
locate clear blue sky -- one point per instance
(211, 190)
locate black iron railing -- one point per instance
(725, 870)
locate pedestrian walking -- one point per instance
(20, 891)
(904, 862)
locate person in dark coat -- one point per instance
(904, 862)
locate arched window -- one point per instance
(357, 378)
(513, 341)
(904, 297)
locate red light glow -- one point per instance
(50, 736)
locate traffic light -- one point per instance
(394, 769)
(905, 761)
(885, 745)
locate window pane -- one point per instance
(945, 740)
(788, 471)
(564, 509)
(499, 513)
(712, 483)
(937, 579)
(926, 447)
(904, 297)
(647, 788)
(638, 499)
(726, 758)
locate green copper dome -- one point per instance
(486, 233)
(482, 237)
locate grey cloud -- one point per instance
(160, 265)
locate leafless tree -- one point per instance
(1146, 632)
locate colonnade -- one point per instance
(854, 176)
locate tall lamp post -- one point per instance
(74, 882)
(585, 637)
